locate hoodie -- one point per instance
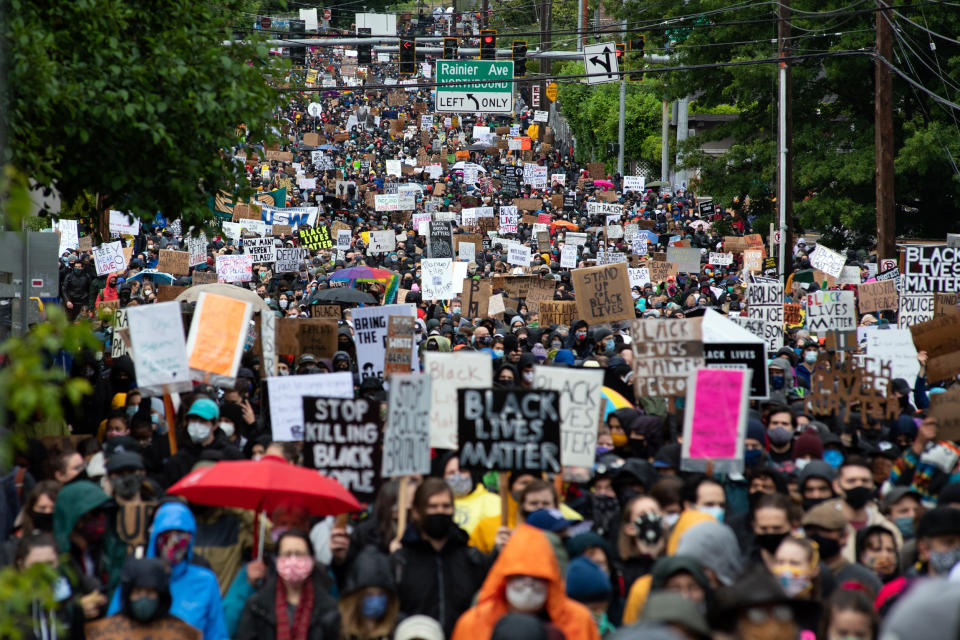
(74, 500)
(193, 589)
(779, 396)
(528, 553)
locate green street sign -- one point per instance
(483, 86)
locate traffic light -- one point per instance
(298, 53)
(621, 53)
(408, 56)
(450, 46)
(364, 54)
(488, 44)
(637, 45)
(519, 58)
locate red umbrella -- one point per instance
(262, 485)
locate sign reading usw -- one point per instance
(484, 86)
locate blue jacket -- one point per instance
(194, 589)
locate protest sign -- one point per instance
(715, 420)
(660, 271)
(218, 333)
(666, 352)
(331, 311)
(929, 269)
(639, 277)
(316, 238)
(120, 342)
(475, 298)
(518, 254)
(877, 296)
(289, 259)
(466, 251)
(687, 259)
(174, 262)
(827, 260)
(914, 308)
(558, 312)
(721, 259)
(109, 258)
(634, 183)
(235, 268)
(261, 250)
(344, 238)
(285, 399)
(160, 352)
(406, 440)
(831, 311)
(944, 304)
(792, 314)
(166, 292)
(509, 429)
(204, 277)
(197, 248)
(448, 373)
(765, 302)
(382, 242)
(119, 626)
(940, 338)
(895, 347)
(508, 219)
(603, 293)
(440, 240)
(370, 327)
(849, 275)
(399, 345)
(753, 260)
(69, 235)
(945, 407)
(580, 399)
(568, 256)
(604, 209)
(342, 439)
(316, 336)
(437, 279)
(121, 224)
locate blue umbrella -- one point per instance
(327, 147)
(158, 277)
(651, 236)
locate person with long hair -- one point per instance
(369, 608)
(848, 613)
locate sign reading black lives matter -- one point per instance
(342, 439)
(507, 429)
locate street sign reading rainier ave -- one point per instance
(485, 88)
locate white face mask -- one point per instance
(670, 519)
(526, 594)
(284, 304)
(198, 431)
(227, 428)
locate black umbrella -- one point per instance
(478, 146)
(343, 294)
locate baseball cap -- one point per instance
(826, 515)
(204, 408)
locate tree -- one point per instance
(137, 102)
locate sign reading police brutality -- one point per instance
(603, 293)
(831, 311)
(765, 302)
(342, 439)
(406, 441)
(666, 352)
(507, 429)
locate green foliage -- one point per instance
(19, 590)
(131, 100)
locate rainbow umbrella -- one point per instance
(389, 279)
(614, 401)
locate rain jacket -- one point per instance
(527, 553)
(196, 595)
(259, 619)
(470, 509)
(74, 500)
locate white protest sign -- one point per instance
(436, 279)
(540, 116)
(568, 256)
(639, 245)
(290, 258)
(508, 219)
(159, 348)
(466, 251)
(896, 347)
(534, 175)
(605, 209)
(123, 224)
(370, 332)
(393, 168)
(286, 395)
(765, 302)
(559, 178)
(831, 311)
(235, 268)
(849, 275)
(634, 183)
(827, 260)
(381, 242)
(406, 437)
(109, 258)
(343, 239)
(518, 254)
(261, 250)
(197, 247)
(639, 277)
(448, 373)
(580, 398)
(720, 259)
(69, 235)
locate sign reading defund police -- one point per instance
(343, 439)
(507, 429)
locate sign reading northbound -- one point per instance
(485, 88)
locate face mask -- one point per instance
(456, 311)
(857, 497)
(943, 561)
(132, 410)
(460, 484)
(173, 546)
(829, 547)
(619, 439)
(904, 524)
(792, 581)
(780, 436)
(198, 431)
(268, 300)
(126, 487)
(437, 525)
(716, 512)
(373, 607)
(810, 357)
(769, 542)
(294, 569)
(155, 418)
(227, 428)
(776, 382)
(833, 457)
(42, 521)
(498, 353)
(752, 457)
(145, 608)
(670, 519)
(556, 344)
(94, 529)
(526, 595)
(528, 377)
(283, 304)
(603, 450)
(581, 335)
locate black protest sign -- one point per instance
(440, 241)
(507, 429)
(343, 439)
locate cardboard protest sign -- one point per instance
(831, 311)
(217, 336)
(235, 268)
(558, 312)
(475, 298)
(262, 250)
(370, 326)
(509, 429)
(436, 281)
(316, 336)
(687, 259)
(342, 439)
(603, 293)
(842, 388)
(945, 407)
(827, 260)
(289, 259)
(666, 352)
(580, 410)
(944, 304)
(285, 399)
(660, 271)
(116, 627)
(205, 277)
(527, 204)
(940, 338)
(315, 238)
(109, 258)
(792, 314)
(330, 311)
(406, 440)
(753, 260)
(715, 420)
(765, 302)
(448, 373)
(399, 345)
(133, 523)
(877, 296)
(160, 352)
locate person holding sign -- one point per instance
(204, 435)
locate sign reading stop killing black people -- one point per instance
(343, 439)
(507, 429)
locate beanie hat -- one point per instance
(755, 430)
(586, 582)
(808, 444)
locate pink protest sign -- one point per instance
(715, 419)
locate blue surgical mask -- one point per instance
(609, 345)
(373, 607)
(833, 458)
(810, 357)
(716, 512)
(498, 353)
(132, 410)
(751, 457)
(456, 310)
(905, 525)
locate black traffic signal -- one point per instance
(364, 51)
(488, 44)
(408, 56)
(450, 46)
(637, 46)
(519, 58)
(298, 53)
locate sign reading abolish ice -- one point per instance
(481, 86)
(342, 438)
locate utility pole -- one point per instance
(546, 20)
(883, 136)
(785, 141)
(683, 130)
(621, 123)
(485, 9)
(665, 142)
(581, 23)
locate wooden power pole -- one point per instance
(883, 136)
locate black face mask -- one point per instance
(437, 525)
(857, 497)
(828, 547)
(769, 542)
(810, 503)
(42, 521)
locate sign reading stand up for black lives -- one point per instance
(508, 429)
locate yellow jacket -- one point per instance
(484, 536)
(470, 509)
